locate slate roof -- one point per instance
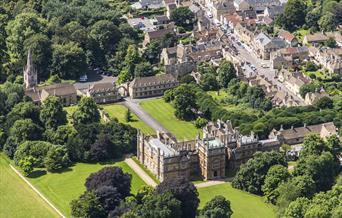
(300, 132)
(153, 80)
(159, 33)
(60, 89)
(101, 87)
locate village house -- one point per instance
(296, 135)
(148, 4)
(257, 5)
(233, 20)
(282, 98)
(264, 45)
(142, 23)
(221, 8)
(289, 57)
(312, 97)
(273, 11)
(151, 86)
(329, 58)
(315, 39)
(288, 37)
(222, 149)
(319, 38)
(155, 35)
(104, 93)
(244, 34)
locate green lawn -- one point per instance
(164, 113)
(218, 95)
(244, 205)
(61, 188)
(118, 111)
(17, 199)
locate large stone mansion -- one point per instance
(220, 151)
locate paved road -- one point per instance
(134, 106)
(250, 56)
(141, 173)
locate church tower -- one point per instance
(30, 73)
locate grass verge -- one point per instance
(119, 111)
(244, 205)
(17, 199)
(164, 113)
(61, 188)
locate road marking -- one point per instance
(36, 190)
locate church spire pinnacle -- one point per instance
(30, 73)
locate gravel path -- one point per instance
(143, 115)
(141, 173)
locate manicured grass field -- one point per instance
(244, 205)
(164, 113)
(61, 188)
(119, 111)
(17, 199)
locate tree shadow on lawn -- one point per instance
(41, 172)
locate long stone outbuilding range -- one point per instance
(220, 151)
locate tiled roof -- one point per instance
(286, 35)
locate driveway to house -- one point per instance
(92, 79)
(141, 173)
(134, 106)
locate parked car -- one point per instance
(83, 78)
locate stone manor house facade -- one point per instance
(221, 150)
(218, 153)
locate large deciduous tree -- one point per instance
(183, 17)
(56, 158)
(110, 176)
(40, 47)
(87, 112)
(52, 113)
(251, 175)
(87, 205)
(163, 205)
(294, 14)
(185, 192)
(226, 72)
(24, 26)
(218, 207)
(276, 175)
(68, 60)
(184, 102)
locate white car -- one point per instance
(210, 15)
(83, 78)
